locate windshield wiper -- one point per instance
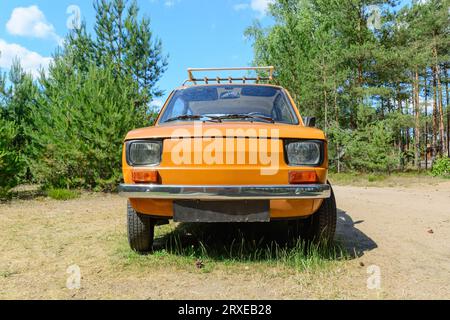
(247, 116)
(194, 117)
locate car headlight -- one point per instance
(304, 153)
(144, 153)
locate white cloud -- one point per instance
(260, 6)
(241, 6)
(169, 3)
(31, 22)
(31, 61)
(156, 104)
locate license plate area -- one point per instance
(221, 211)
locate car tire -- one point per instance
(321, 226)
(141, 230)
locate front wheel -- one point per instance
(141, 230)
(321, 226)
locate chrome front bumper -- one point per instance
(256, 192)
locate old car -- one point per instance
(228, 149)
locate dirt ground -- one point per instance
(404, 233)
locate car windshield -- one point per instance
(230, 103)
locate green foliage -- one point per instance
(123, 40)
(62, 194)
(368, 149)
(11, 162)
(333, 61)
(441, 167)
(18, 99)
(318, 57)
(98, 88)
(80, 125)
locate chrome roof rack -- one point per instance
(230, 79)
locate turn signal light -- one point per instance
(146, 176)
(302, 177)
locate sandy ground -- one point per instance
(402, 233)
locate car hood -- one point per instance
(235, 129)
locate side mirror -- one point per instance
(309, 121)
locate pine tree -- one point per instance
(127, 42)
(98, 88)
(11, 160)
(81, 121)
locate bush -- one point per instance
(366, 149)
(11, 163)
(80, 125)
(441, 167)
(62, 194)
(98, 87)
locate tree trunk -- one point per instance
(435, 116)
(417, 121)
(425, 86)
(441, 113)
(401, 144)
(438, 98)
(448, 110)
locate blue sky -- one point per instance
(195, 33)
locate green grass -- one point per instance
(384, 180)
(375, 178)
(231, 245)
(5, 194)
(62, 194)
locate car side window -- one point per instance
(282, 111)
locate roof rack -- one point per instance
(270, 70)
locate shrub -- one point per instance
(80, 125)
(98, 87)
(366, 149)
(11, 163)
(441, 167)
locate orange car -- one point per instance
(228, 151)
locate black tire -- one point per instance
(141, 230)
(321, 226)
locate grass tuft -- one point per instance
(7, 273)
(62, 194)
(375, 177)
(215, 245)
